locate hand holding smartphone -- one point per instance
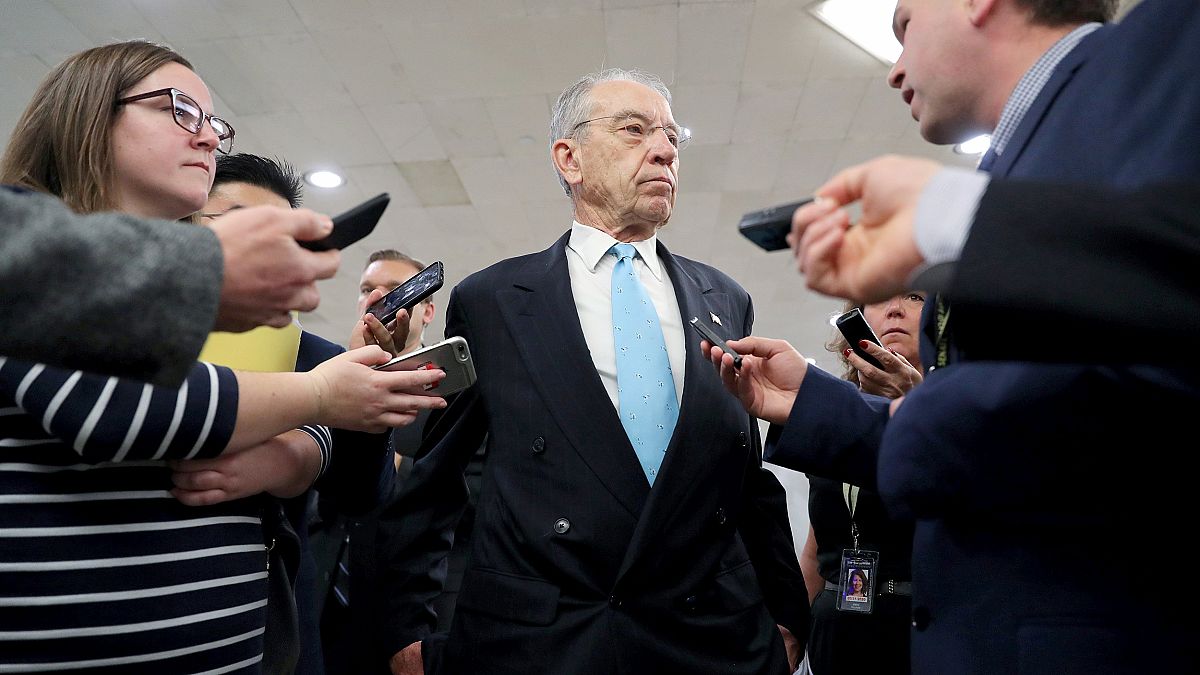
(352, 225)
(452, 356)
(769, 228)
(854, 328)
(405, 296)
(714, 339)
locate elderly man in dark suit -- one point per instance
(1038, 513)
(625, 523)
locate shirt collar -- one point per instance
(1031, 84)
(592, 244)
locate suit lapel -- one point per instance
(1033, 117)
(539, 310)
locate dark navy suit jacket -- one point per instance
(1047, 497)
(358, 477)
(577, 565)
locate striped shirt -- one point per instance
(101, 568)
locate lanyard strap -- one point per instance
(850, 494)
(942, 338)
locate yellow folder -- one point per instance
(264, 349)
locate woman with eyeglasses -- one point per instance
(842, 516)
(101, 567)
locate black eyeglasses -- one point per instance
(635, 130)
(190, 116)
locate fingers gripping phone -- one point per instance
(715, 340)
(769, 228)
(352, 225)
(405, 296)
(854, 327)
(452, 356)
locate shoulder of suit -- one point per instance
(707, 273)
(316, 343)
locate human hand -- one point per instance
(408, 661)
(371, 331)
(267, 274)
(352, 395)
(771, 374)
(895, 379)
(793, 647)
(873, 260)
(284, 466)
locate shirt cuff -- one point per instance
(945, 212)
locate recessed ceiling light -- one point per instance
(324, 179)
(974, 146)
(866, 23)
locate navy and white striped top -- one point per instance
(100, 567)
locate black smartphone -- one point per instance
(769, 228)
(405, 296)
(714, 339)
(352, 225)
(854, 327)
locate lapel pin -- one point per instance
(716, 319)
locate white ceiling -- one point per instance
(446, 105)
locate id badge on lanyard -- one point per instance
(856, 580)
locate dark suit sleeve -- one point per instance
(360, 470)
(416, 530)
(1071, 273)
(834, 431)
(767, 533)
(106, 293)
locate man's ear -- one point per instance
(566, 160)
(427, 314)
(979, 11)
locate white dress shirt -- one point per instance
(591, 271)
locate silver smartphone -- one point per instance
(452, 355)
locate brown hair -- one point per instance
(1069, 12)
(394, 255)
(62, 143)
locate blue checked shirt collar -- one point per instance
(1031, 85)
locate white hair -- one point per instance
(574, 105)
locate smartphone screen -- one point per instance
(422, 285)
(854, 327)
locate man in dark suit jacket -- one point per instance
(1037, 518)
(1041, 258)
(590, 557)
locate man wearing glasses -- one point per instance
(625, 523)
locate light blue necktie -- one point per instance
(645, 388)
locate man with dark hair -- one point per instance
(1037, 508)
(357, 624)
(358, 475)
(265, 178)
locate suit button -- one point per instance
(920, 618)
(614, 601)
(562, 525)
(690, 603)
(721, 517)
(539, 445)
